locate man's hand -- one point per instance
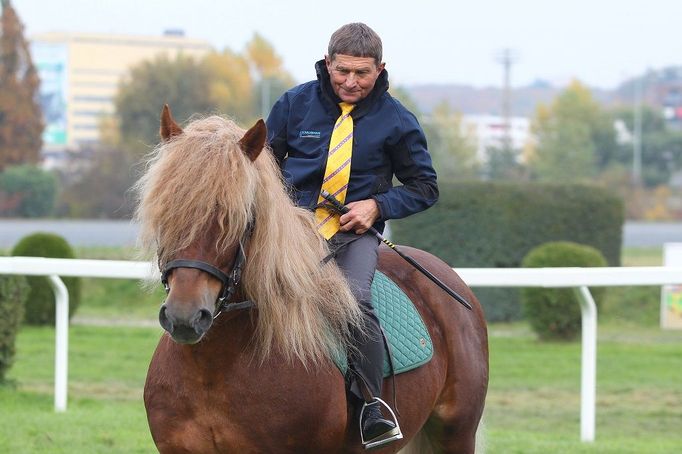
(360, 217)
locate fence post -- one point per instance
(61, 356)
(588, 388)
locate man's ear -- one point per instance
(169, 128)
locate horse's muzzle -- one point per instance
(186, 331)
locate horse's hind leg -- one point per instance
(448, 436)
(452, 426)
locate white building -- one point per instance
(489, 131)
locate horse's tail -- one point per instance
(421, 444)
(480, 436)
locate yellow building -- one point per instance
(80, 73)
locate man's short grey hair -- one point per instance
(356, 40)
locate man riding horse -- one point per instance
(345, 134)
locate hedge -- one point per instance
(13, 293)
(494, 225)
(40, 306)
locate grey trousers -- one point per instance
(356, 255)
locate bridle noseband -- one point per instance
(229, 282)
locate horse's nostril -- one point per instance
(202, 321)
(165, 321)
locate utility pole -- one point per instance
(637, 136)
(265, 96)
(506, 57)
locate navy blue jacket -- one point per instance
(387, 141)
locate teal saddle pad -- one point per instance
(407, 335)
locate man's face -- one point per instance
(352, 78)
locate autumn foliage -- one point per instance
(21, 123)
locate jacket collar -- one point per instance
(332, 100)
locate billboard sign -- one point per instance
(671, 295)
(51, 60)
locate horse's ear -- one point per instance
(169, 128)
(254, 140)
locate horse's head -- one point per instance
(206, 190)
(201, 277)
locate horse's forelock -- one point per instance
(198, 178)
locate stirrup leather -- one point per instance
(390, 436)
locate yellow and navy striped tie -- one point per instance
(337, 173)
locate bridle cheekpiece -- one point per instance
(229, 282)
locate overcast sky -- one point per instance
(601, 42)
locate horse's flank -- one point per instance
(201, 177)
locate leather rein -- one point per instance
(229, 281)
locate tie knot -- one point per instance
(345, 107)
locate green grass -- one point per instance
(107, 368)
(533, 404)
(638, 305)
(642, 256)
(116, 300)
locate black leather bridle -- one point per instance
(229, 282)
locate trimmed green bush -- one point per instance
(13, 293)
(494, 225)
(40, 306)
(554, 314)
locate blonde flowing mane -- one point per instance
(304, 309)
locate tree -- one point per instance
(101, 188)
(272, 78)
(262, 55)
(661, 146)
(231, 87)
(568, 134)
(504, 164)
(21, 123)
(452, 147)
(183, 83)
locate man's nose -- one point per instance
(351, 80)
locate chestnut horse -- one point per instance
(227, 378)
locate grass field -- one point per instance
(532, 407)
(533, 404)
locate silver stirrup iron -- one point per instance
(388, 437)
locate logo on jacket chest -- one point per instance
(308, 134)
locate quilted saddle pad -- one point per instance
(409, 340)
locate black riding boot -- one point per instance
(356, 255)
(374, 426)
(368, 367)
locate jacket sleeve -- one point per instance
(413, 168)
(277, 128)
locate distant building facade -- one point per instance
(80, 74)
(668, 94)
(489, 131)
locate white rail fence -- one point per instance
(576, 278)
